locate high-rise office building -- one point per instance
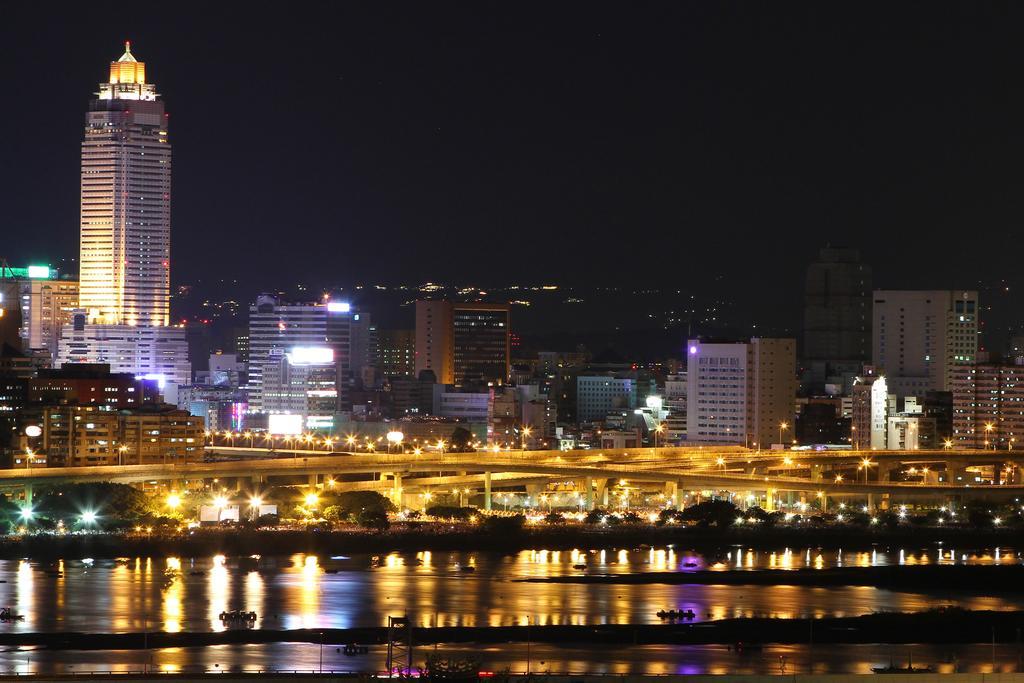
(920, 337)
(740, 393)
(125, 232)
(274, 325)
(285, 326)
(837, 319)
(125, 246)
(463, 343)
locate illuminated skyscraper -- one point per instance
(126, 201)
(125, 233)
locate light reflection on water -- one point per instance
(305, 591)
(569, 657)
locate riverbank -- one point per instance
(934, 627)
(470, 537)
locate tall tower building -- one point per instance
(837, 319)
(125, 234)
(125, 221)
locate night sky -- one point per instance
(696, 145)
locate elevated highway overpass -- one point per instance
(764, 475)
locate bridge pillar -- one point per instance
(588, 492)
(396, 489)
(769, 500)
(487, 491)
(28, 495)
(824, 502)
(677, 496)
(672, 492)
(884, 505)
(314, 480)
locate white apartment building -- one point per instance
(159, 353)
(740, 393)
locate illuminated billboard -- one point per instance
(339, 307)
(311, 355)
(284, 425)
(39, 272)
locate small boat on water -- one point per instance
(8, 614)
(467, 569)
(237, 618)
(579, 566)
(676, 614)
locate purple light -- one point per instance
(693, 350)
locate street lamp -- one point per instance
(524, 435)
(395, 439)
(865, 463)
(658, 430)
(120, 454)
(783, 426)
(988, 431)
(254, 507)
(311, 501)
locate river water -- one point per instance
(306, 591)
(515, 657)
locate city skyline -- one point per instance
(496, 342)
(393, 128)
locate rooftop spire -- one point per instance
(129, 75)
(127, 56)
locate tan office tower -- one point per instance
(463, 343)
(125, 219)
